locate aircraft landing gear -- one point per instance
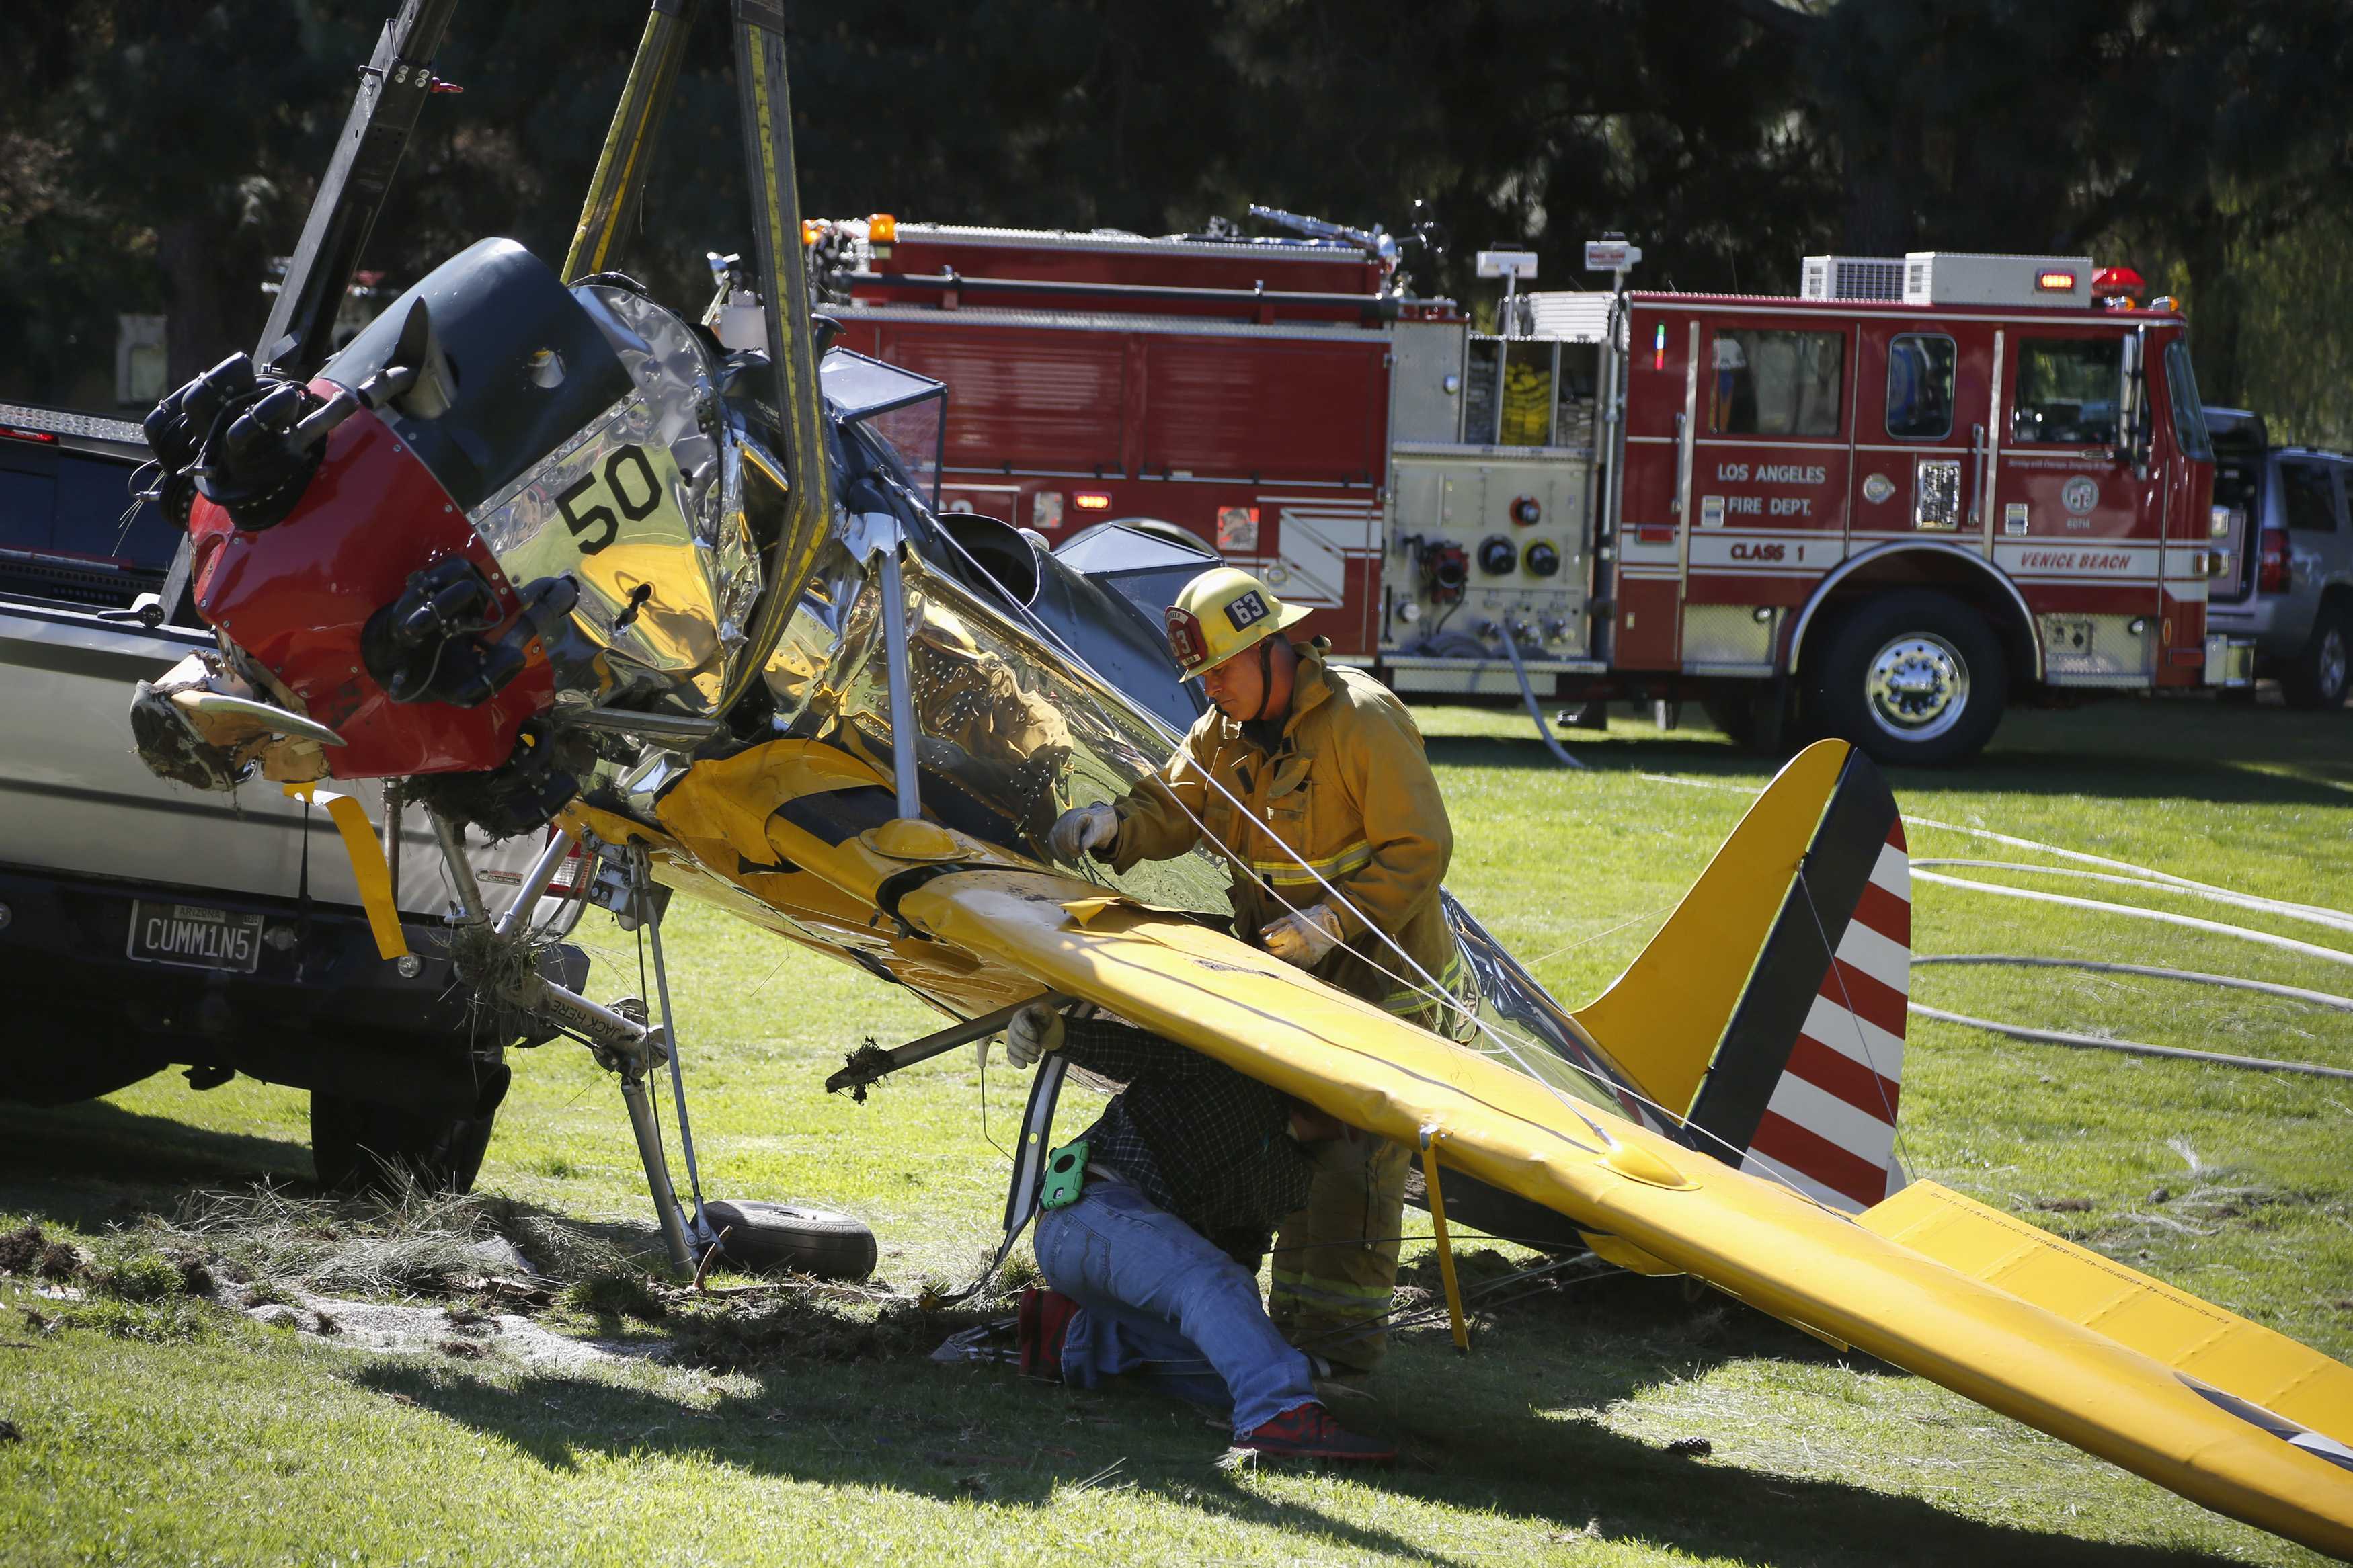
(627, 1042)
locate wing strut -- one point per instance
(394, 86)
(1445, 1242)
(1021, 1192)
(767, 111)
(620, 178)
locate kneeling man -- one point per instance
(1154, 1264)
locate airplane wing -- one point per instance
(1936, 1311)
(2223, 1411)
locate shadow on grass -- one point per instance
(1471, 1433)
(84, 1164)
(92, 1165)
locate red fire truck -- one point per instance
(1924, 488)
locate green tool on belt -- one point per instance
(1066, 1175)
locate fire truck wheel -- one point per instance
(1914, 677)
(2318, 676)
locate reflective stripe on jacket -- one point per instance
(1348, 790)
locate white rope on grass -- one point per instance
(2308, 913)
(2089, 859)
(2146, 873)
(2129, 1048)
(2237, 982)
(2133, 911)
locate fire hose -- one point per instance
(1528, 695)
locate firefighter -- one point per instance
(1315, 766)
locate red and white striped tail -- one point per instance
(1829, 1126)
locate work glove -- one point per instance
(1303, 936)
(1034, 1031)
(1083, 829)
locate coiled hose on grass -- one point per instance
(2236, 982)
(2134, 1047)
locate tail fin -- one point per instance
(1796, 1060)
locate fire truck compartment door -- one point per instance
(1924, 424)
(2078, 530)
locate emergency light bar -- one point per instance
(1948, 277)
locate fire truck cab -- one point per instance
(1885, 509)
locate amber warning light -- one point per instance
(1091, 500)
(2055, 282)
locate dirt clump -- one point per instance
(809, 1325)
(616, 1293)
(21, 1249)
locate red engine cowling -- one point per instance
(296, 598)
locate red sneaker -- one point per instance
(1045, 1319)
(1310, 1433)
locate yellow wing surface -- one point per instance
(1744, 1234)
(2220, 1410)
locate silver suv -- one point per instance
(2289, 581)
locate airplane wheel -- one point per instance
(1916, 678)
(773, 1238)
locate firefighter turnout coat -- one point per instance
(1348, 790)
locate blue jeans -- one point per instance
(1155, 1298)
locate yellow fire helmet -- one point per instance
(1220, 613)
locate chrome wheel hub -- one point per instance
(2332, 662)
(1917, 687)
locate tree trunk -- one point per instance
(2216, 309)
(211, 291)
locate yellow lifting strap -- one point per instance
(368, 869)
(1445, 1245)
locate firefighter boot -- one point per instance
(1335, 1261)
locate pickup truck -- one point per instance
(146, 925)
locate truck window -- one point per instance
(95, 515)
(2067, 391)
(26, 500)
(2188, 413)
(1920, 386)
(1776, 383)
(2309, 497)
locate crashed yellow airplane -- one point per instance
(538, 549)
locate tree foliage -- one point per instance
(155, 152)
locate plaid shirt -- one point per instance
(1198, 1139)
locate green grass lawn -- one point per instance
(218, 1439)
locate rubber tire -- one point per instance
(2303, 683)
(1839, 699)
(1747, 716)
(358, 1144)
(1735, 715)
(778, 1239)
